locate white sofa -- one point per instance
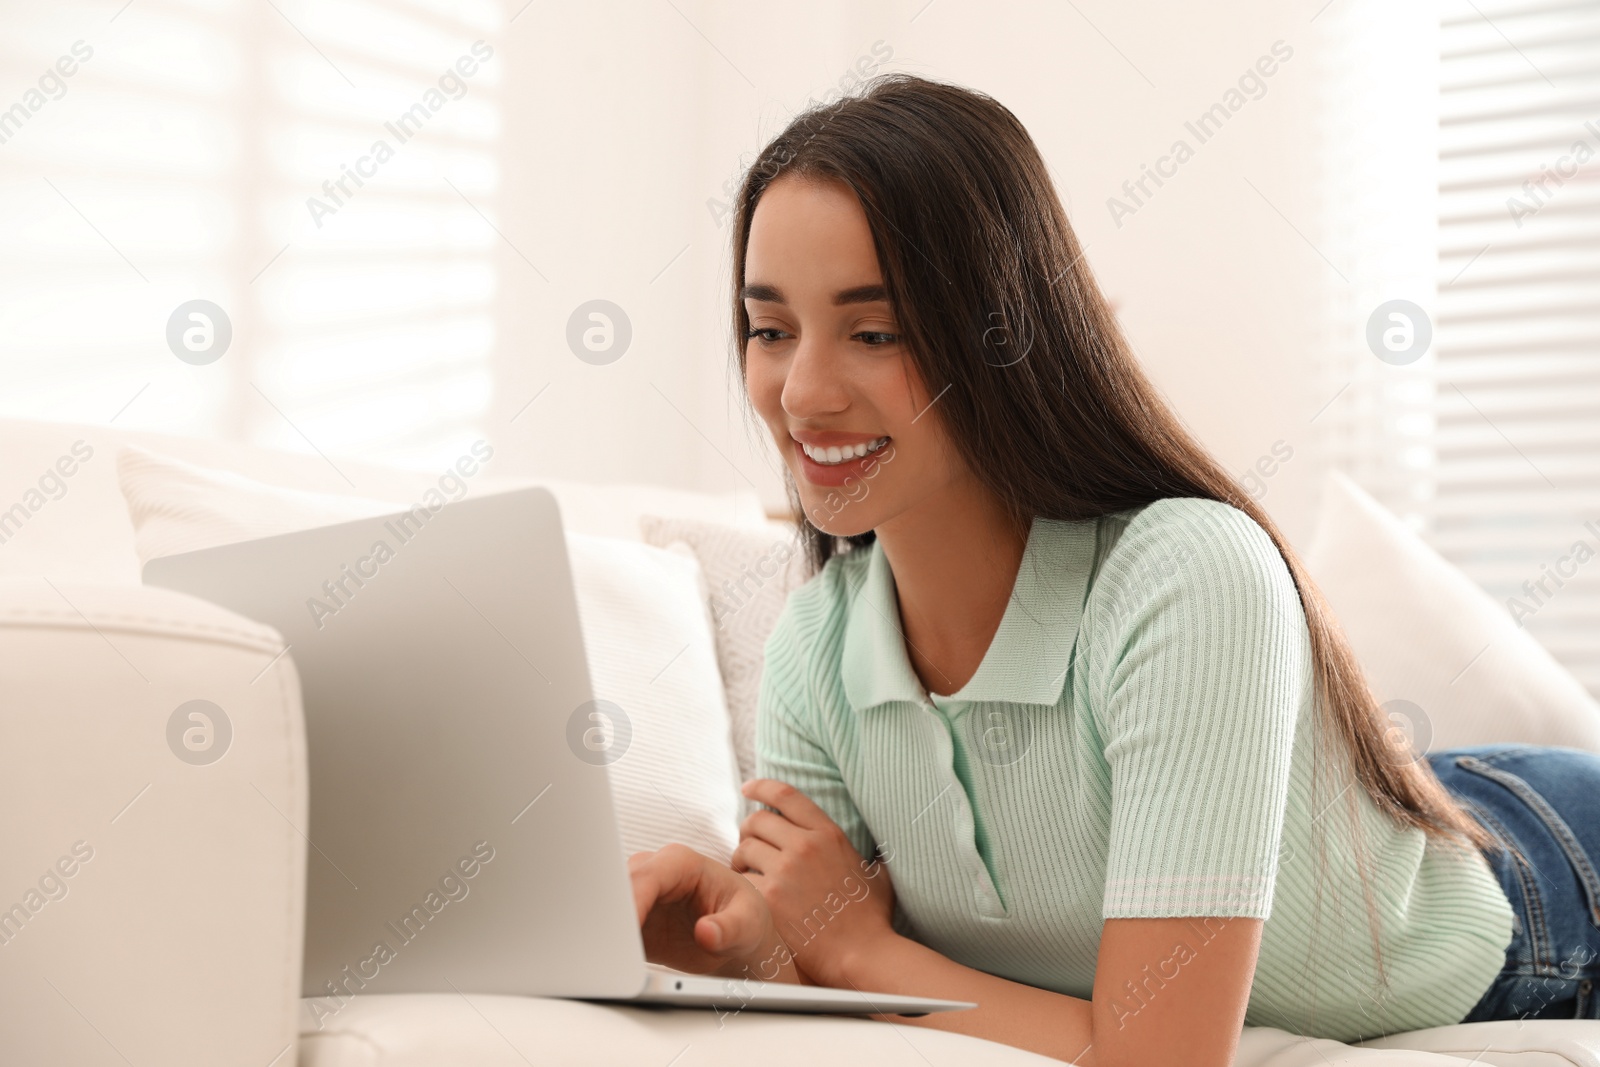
(163, 903)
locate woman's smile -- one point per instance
(830, 458)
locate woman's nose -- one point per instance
(814, 385)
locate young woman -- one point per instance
(1060, 724)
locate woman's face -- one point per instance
(826, 368)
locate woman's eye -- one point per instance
(882, 338)
(771, 335)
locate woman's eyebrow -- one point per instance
(860, 294)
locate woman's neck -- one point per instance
(955, 558)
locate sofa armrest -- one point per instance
(152, 882)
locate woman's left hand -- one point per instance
(827, 901)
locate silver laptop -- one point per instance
(459, 841)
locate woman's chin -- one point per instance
(838, 522)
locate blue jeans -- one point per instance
(1545, 801)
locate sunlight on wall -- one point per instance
(324, 172)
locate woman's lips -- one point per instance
(838, 473)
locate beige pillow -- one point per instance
(1426, 633)
(642, 610)
(749, 573)
(180, 507)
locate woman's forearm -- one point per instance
(1012, 1013)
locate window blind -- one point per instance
(1378, 77)
(1513, 487)
(228, 150)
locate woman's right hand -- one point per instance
(699, 916)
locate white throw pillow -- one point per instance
(650, 653)
(1426, 633)
(749, 573)
(642, 610)
(180, 507)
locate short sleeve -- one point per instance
(790, 740)
(1199, 672)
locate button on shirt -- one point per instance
(1138, 741)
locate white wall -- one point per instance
(1218, 291)
(621, 120)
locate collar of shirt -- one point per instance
(1027, 660)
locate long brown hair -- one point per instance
(1000, 314)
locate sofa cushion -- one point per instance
(749, 573)
(1509, 1042)
(421, 1030)
(76, 527)
(1428, 635)
(179, 507)
(642, 610)
(428, 1029)
(651, 654)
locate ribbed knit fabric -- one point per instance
(1138, 741)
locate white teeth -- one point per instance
(834, 454)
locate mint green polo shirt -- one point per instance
(1138, 741)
